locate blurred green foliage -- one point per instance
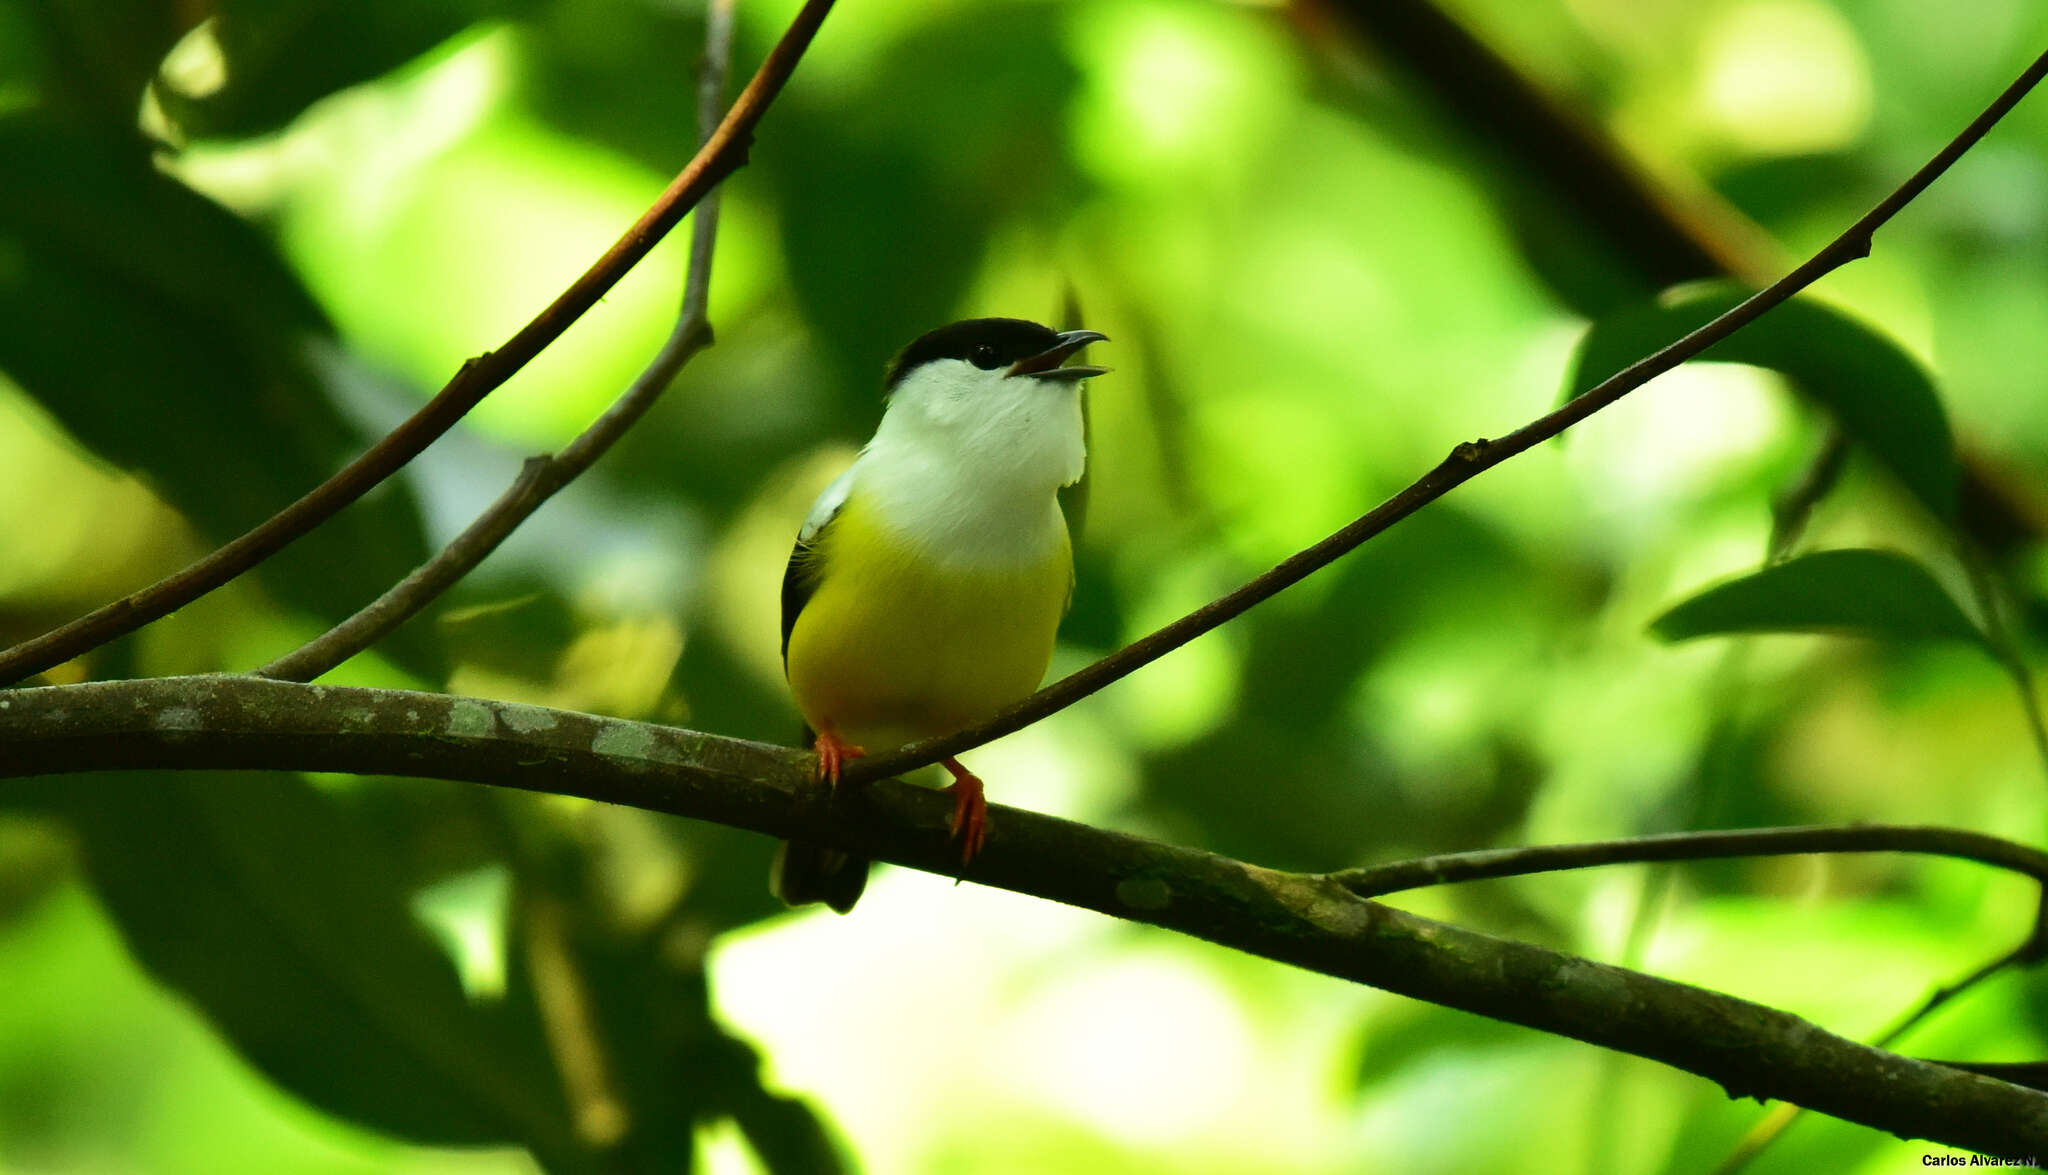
(1872, 389)
(239, 239)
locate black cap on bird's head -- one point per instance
(1016, 345)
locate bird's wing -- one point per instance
(800, 578)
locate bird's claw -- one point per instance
(969, 824)
(833, 754)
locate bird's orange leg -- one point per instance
(970, 810)
(833, 752)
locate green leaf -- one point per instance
(1881, 397)
(1879, 594)
(259, 899)
(165, 335)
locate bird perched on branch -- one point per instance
(930, 577)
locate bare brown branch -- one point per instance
(542, 477)
(720, 157)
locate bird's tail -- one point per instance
(805, 871)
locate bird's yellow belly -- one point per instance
(892, 648)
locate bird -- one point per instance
(929, 579)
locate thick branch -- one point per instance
(1307, 921)
(1465, 462)
(724, 154)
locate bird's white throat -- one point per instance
(967, 464)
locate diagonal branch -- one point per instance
(1303, 920)
(725, 153)
(1657, 236)
(1465, 462)
(542, 477)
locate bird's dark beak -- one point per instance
(1046, 364)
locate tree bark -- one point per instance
(1305, 920)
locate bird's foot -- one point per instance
(833, 752)
(970, 811)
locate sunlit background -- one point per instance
(1316, 279)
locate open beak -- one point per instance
(1046, 364)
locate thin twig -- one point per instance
(711, 78)
(1373, 881)
(724, 154)
(1465, 462)
(542, 477)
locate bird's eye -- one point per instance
(984, 357)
